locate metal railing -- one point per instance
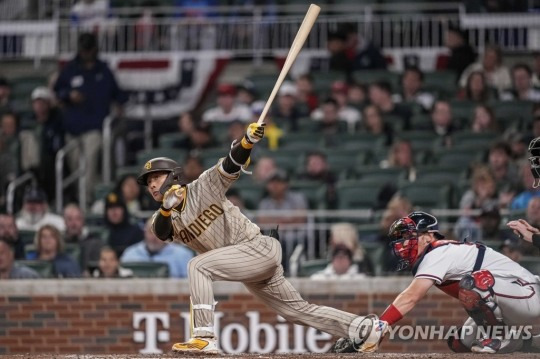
(107, 149)
(78, 174)
(12, 187)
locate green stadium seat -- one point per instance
(148, 269)
(357, 195)
(463, 110)
(458, 157)
(27, 237)
(22, 87)
(309, 267)
(210, 156)
(421, 122)
(173, 153)
(377, 174)
(43, 268)
(314, 191)
(441, 82)
(322, 80)
(342, 159)
(284, 159)
(441, 174)
(101, 190)
(251, 193)
(473, 139)
(361, 141)
(73, 250)
(513, 110)
(531, 263)
(168, 140)
(300, 141)
(371, 76)
(428, 195)
(127, 170)
(307, 124)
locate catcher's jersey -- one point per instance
(451, 262)
(207, 219)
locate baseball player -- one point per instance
(230, 248)
(493, 289)
(523, 229)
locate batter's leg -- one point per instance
(280, 295)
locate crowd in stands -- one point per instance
(411, 144)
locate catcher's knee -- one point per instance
(475, 290)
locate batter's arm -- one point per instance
(237, 157)
(407, 300)
(162, 224)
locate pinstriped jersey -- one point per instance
(207, 219)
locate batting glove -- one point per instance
(173, 197)
(375, 336)
(255, 132)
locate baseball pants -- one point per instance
(257, 264)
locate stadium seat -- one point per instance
(473, 139)
(458, 157)
(43, 268)
(168, 140)
(361, 141)
(210, 156)
(127, 170)
(22, 87)
(101, 190)
(314, 192)
(251, 193)
(462, 110)
(442, 82)
(309, 267)
(148, 269)
(27, 237)
(145, 155)
(307, 124)
(357, 195)
(377, 174)
(428, 196)
(531, 263)
(73, 250)
(322, 80)
(370, 76)
(300, 141)
(513, 110)
(421, 122)
(341, 159)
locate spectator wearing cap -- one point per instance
(227, 109)
(512, 250)
(461, 53)
(339, 94)
(50, 247)
(122, 233)
(305, 92)
(337, 47)
(522, 85)
(9, 232)
(9, 269)
(87, 89)
(380, 95)
(35, 212)
(411, 89)
(9, 145)
(5, 95)
(153, 249)
(285, 112)
(497, 75)
(39, 145)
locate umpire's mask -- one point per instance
(534, 159)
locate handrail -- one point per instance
(107, 150)
(79, 174)
(12, 186)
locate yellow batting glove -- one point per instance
(255, 132)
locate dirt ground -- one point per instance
(287, 356)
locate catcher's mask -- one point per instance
(534, 150)
(404, 233)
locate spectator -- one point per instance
(264, 168)
(193, 168)
(348, 113)
(77, 233)
(87, 88)
(388, 261)
(374, 124)
(483, 191)
(10, 233)
(357, 95)
(339, 61)
(285, 112)
(305, 93)
(536, 69)
(35, 212)
(401, 156)
(5, 96)
(521, 201)
(442, 123)
(89, 14)
(496, 74)
(380, 95)
(512, 250)
(369, 57)
(235, 131)
(8, 268)
(317, 169)
(484, 120)
(272, 132)
(340, 267)
(476, 89)
(411, 89)
(8, 149)
(122, 233)
(227, 109)
(153, 249)
(461, 53)
(50, 247)
(328, 117)
(518, 143)
(247, 93)
(136, 201)
(522, 85)
(109, 266)
(199, 138)
(501, 166)
(40, 144)
(346, 234)
(401, 205)
(236, 199)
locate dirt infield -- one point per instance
(287, 356)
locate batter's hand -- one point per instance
(523, 229)
(173, 197)
(255, 132)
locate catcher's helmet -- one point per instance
(158, 164)
(403, 235)
(534, 150)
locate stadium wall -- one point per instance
(148, 315)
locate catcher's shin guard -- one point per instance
(474, 291)
(456, 345)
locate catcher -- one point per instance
(231, 248)
(493, 289)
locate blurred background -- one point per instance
(391, 106)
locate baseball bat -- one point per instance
(296, 46)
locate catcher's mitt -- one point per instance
(342, 345)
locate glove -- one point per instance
(375, 336)
(255, 132)
(173, 197)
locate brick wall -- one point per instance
(98, 317)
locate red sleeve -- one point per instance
(391, 315)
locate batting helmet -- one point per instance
(158, 164)
(534, 150)
(403, 235)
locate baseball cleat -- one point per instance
(202, 346)
(488, 346)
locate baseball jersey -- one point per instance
(447, 264)
(207, 219)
